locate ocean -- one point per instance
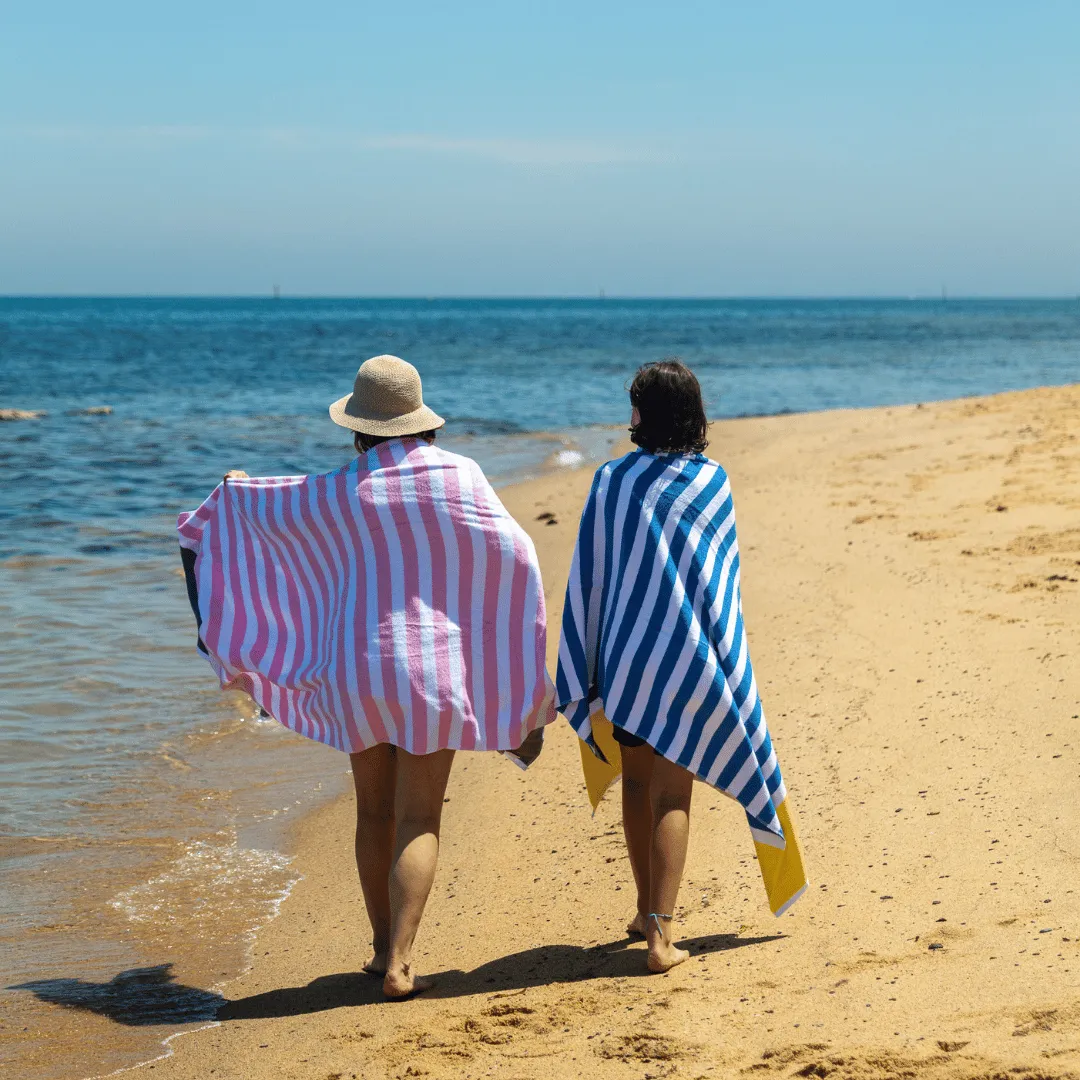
(143, 810)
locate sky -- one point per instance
(643, 149)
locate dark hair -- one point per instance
(364, 442)
(671, 413)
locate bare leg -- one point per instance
(637, 763)
(671, 789)
(420, 790)
(374, 772)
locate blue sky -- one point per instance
(762, 148)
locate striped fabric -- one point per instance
(391, 601)
(653, 631)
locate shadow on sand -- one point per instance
(138, 997)
(150, 995)
(543, 966)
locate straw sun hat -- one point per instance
(387, 399)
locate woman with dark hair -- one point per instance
(654, 671)
(667, 414)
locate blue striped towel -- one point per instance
(653, 632)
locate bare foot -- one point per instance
(377, 964)
(636, 927)
(402, 983)
(664, 957)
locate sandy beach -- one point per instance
(911, 581)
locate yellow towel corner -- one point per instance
(782, 868)
(600, 775)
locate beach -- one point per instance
(911, 581)
(146, 820)
(246, 282)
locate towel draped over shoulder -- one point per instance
(393, 600)
(653, 637)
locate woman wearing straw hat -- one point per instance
(391, 608)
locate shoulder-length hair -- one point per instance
(364, 442)
(671, 412)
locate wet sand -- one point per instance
(912, 593)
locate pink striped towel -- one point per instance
(390, 601)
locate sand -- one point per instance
(912, 594)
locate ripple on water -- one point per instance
(205, 883)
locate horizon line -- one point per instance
(272, 297)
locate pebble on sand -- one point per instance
(21, 414)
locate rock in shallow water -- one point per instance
(21, 414)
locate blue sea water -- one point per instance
(200, 385)
(131, 786)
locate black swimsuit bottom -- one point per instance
(624, 738)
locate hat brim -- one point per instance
(422, 419)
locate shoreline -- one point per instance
(568, 962)
(199, 804)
